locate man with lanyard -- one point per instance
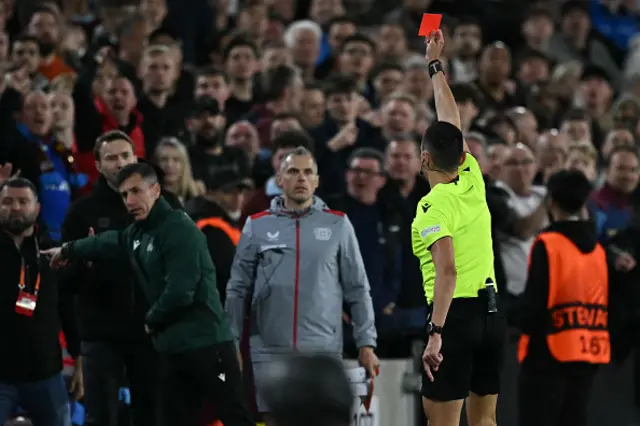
(563, 311)
(451, 235)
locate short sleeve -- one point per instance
(470, 165)
(432, 225)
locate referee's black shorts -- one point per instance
(472, 352)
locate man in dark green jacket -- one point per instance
(171, 261)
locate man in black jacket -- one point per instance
(33, 309)
(111, 307)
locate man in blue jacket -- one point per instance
(297, 263)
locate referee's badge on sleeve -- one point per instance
(429, 230)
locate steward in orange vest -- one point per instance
(217, 214)
(564, 311)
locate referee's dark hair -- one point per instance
(310, 390)
(569, 190)
(445, 144)
(145, 170)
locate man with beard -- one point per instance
(110, 305)
(44, 25)
(209, 154)
(32, 312)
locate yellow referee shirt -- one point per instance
(458, 210)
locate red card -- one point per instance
(430, 22)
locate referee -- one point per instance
(451, 236)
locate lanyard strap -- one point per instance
(23, 282)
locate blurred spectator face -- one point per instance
(577, 130)
(63, 110)
(622, 173)
(533, 71)
(357, 59)
(537, 29)
(170, 161)
(298, 177)
(467, 40)
(520, 169)
(75, 40)
(209, 128)
(281, 125)
(275, 30)
(468, 112)
(398, 116)
(254, 20)
(417, 5)
(158, 73)
(212, 86)
(153, 10)
(403, 160)
(44, 26)
(104, 75)
(340, 106)
(596, 92)
(364, 179)
(244, 136)
(392, 42)
(418, 83)
(424, 117)
(231, 201)
(242, 63)
(552, 149)
(478, 152)
(3, 16)
(294, 94)
(577, 160)
(627, 114)
(506, 131)
(495, 65)
(276, 56)
(120, 96)
(139, 196)
(305, 49)
(387, 82)
(496, 157)
(322, 11)
(284, 8)
(576, 24)
(4, 46)
(28, 53)
(36, 113)
(312, 108)
(617, 138)
(19, 209)
(114, 156)
(527, 128)
(133, 43)
(338, 32)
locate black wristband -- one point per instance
(435, 67)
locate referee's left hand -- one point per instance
(432, 357)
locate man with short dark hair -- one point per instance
(309, 390)
(33, 309)
(466, 327)
(171, 262)
(110, 306)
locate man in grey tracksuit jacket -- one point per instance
(298, 270)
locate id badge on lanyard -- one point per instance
(26, 303)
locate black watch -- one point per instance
(435, 67)
(433, 329)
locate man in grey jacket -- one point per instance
(298, 262)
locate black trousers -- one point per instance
(209, 375)
(555, 396)
(106, 367)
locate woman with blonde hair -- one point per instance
(172, 157)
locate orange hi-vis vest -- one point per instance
(216, 222)
(578, 303)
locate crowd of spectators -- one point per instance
(216, 92)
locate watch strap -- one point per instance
(435, 67)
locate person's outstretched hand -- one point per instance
(56, 258)
(435, 45)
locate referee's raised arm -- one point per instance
(446, 107)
